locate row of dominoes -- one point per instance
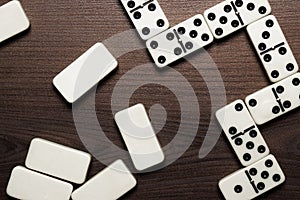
(227, 17)
(47, 162)
(184, 38)
(238, 121)
(262, 171)
(167, 46)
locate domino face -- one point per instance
(13, 20)
(58, 160)
(147, 17)
(139, 137)
(253, 180)
(110, 184)
(179, 41)
(27, 184)
(232, 15)
(85, 72)
(274, 100)
(272, 48)
(242, 133)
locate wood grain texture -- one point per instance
(62, 30)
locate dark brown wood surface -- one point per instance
(62, 30)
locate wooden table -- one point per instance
(62, 30)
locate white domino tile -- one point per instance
(242, 133)
(85, 72)
(109, 184)
(29, 185)
(58, 160)
(139, 137)
(13, 20)
(275, 100)
(180, 41)
(147, 17)
(272, 48)
(230, 16)
(252, 181)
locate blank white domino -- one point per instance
(275, 100)
(109, 184)
(179, 41)
(272, 48)
(147, 17)
(252, 181)
(139, 137)
(231, 15)
(58, 160)
(85, 72)
(29, 185)
(242, 133)
(13, 20)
